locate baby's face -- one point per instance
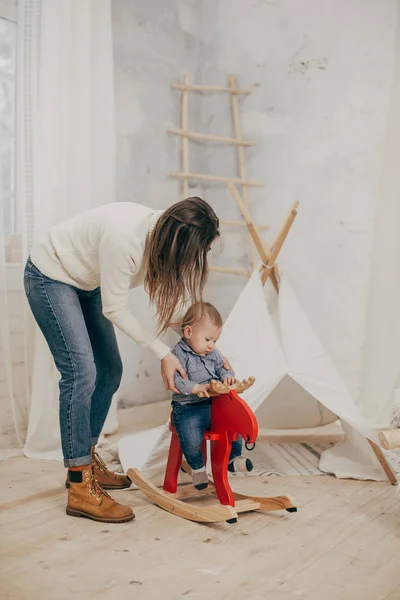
(203, 336)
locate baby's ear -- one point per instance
(187, 332)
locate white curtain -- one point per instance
(13, 392)
(65, 156)
(380, 373)
(381, 358)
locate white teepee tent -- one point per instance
(272, 346)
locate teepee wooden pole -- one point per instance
(383, 462)
(279, 241)
(263, 250)
(277, 273)
(261, 246)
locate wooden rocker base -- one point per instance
(216, 513)
(173, 504)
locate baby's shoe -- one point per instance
(200, 478)
(240, 464)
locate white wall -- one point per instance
(321, 74)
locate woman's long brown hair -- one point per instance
(176, 254)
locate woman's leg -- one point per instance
(106, 357)
(57, 310)
(109, 372)
(190, 422)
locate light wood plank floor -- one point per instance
(344, 543)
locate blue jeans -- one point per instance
(85, 351)
(191, 421)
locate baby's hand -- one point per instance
(229, 381)
(201, 387)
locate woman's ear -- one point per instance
(187, 332)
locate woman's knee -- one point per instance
(116, 374)
(78, 377)
(110, 375)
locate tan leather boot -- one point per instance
(86, 498)
(107, 479)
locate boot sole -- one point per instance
(106, 487)
(79, 513)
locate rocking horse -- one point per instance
(230, 417)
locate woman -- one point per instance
(77, 281)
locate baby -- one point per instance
(191, 415)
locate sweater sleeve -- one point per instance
(116, 268)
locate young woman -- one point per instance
(77, 281)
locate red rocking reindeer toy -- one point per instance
(230, 417)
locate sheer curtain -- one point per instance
(65, 157)
(381, 359)
(380, 375)
(13, 392)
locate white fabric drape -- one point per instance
(381, 358)
(13, 380)
(380, 373)
(65, 150)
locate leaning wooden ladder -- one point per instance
(238, 141)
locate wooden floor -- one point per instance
(343, 543)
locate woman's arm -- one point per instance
(116, 270)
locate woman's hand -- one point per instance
(227, 365)
(169, 365)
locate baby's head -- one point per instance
(201, 327)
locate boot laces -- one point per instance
(94, 487)
(99, 462)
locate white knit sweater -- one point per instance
(103, 247)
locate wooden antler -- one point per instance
(244, 385)
(217, 387)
